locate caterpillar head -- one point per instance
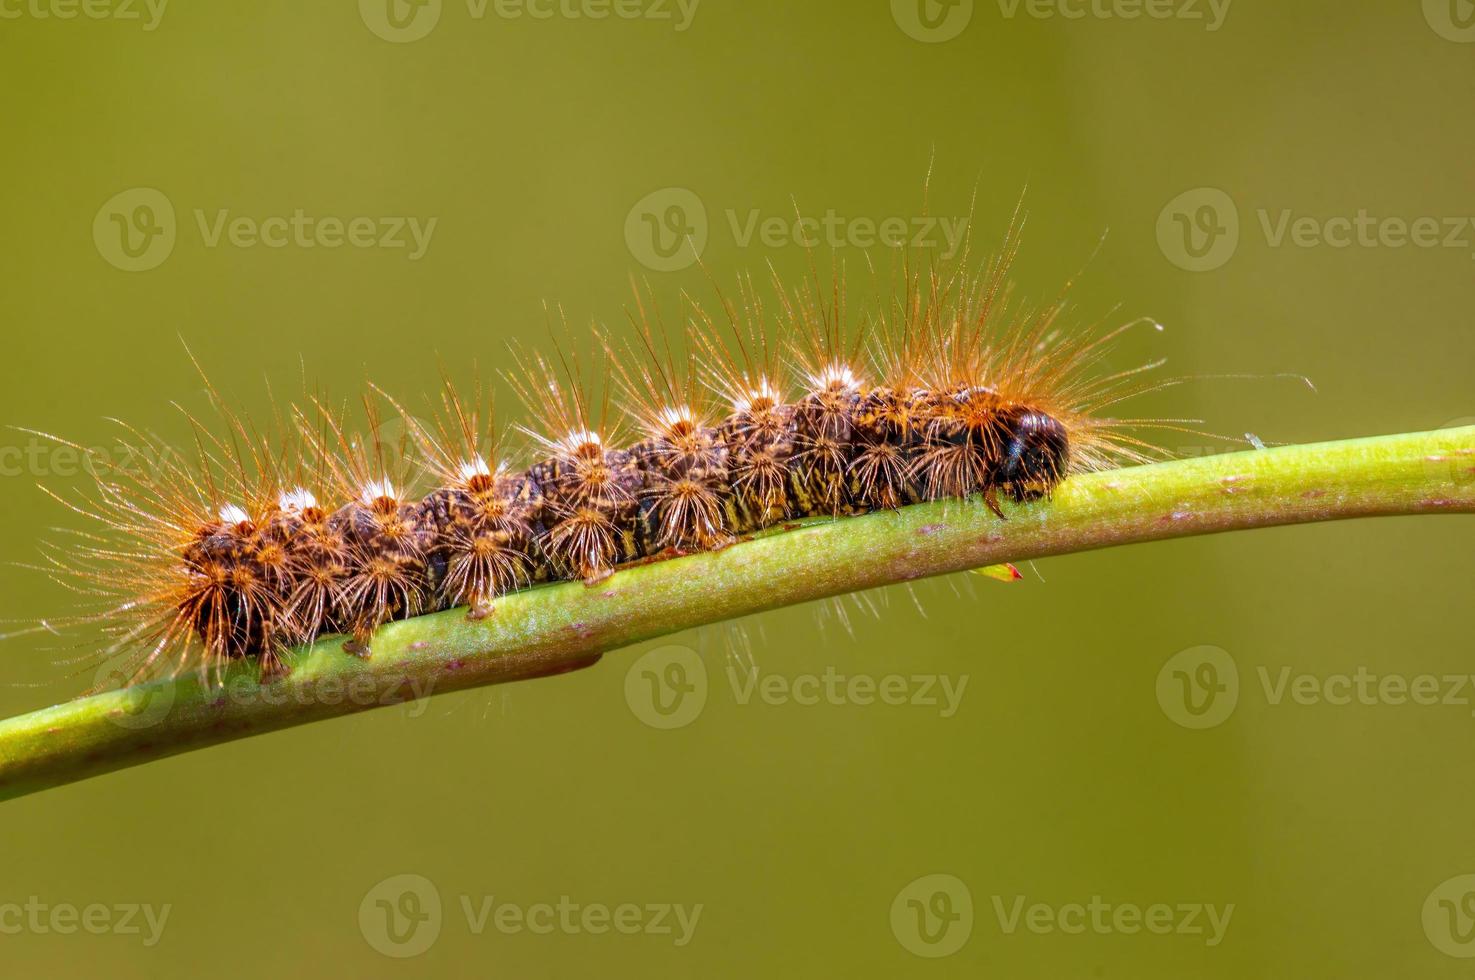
(1036, 453)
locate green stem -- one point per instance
(564, 627)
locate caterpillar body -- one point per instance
(264, 542)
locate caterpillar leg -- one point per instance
(991, 497)
(271, 667)
(358, 646)
(719, 543)
(1022, 494)
(594, 576)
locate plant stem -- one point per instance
(564, 627)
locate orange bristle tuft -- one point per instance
(386, 534)
(683, 458)
(826, 352)
(590, 491)
(485, 515)
(758, 433)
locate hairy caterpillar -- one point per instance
(733, 422)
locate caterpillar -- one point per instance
(685, 439)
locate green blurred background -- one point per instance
(535, 143)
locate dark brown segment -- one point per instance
(760, 444)
(589, 514)
(484, 540)
(818, 468)
(962, 436)
(229, 605)
(885, 440)
(388, 576)
(318, 560)
(683, 499)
